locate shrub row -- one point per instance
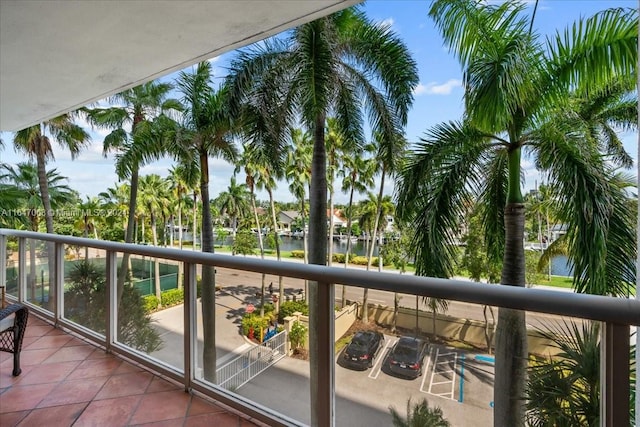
(339, 258)
(287, 308)
(168, 298)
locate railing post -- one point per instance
(325, 415)
(22, 269)
(112, 298)
(614, 377)
(3, 257)
(57, 305)
(190, 310)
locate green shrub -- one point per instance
(338, 258)
(297, 254)
(172, 297)
(150, 303)
(359, 260)
(287, 308)
(253, 321)
(269, 308)
(298, 335)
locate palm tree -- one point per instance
(298, 173)
(564, 390)
(116, 198)
(205, 131)
(326, 65)
(35, 141)
(249, 167)
(154, 198)
(88, 222)
(180, 184)
(25, 181)
(513, 88)
(143, 108)
(389, 151)
(234, 202)
(336, 145)
(419, 415)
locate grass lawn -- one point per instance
(557, 281)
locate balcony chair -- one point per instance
(13, 322)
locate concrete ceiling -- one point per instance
(58, 55)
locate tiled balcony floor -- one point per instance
(68, 382)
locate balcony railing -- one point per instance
(617, 314)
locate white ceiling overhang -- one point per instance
(59, 55)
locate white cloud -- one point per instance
(433, 88)
(214, 59)
(387, 22)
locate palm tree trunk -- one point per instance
(511, 334)
(317, 255)
(346, 255)
(277, 242)
(48, 214)
(261, 245)
(331, 222)
(305, 245)
(156, 264)
(128, 236)
(195, 219)
(179, 223)
(365, 294)
(208, 278)
(85, 234)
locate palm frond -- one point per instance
(596, 49)
(433, 192)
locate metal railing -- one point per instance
(252, 362)
(617, 314)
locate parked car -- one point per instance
(407, 356)
(362, 349)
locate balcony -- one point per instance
(94, 355)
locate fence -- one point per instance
(252, 363)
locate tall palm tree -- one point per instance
(24, 180)
(35, 141)
(234, 202)
(205, 131)
(336, 145)
(357, 176)
(88, 221)
(116, 198)
(143, 110)
(326, 65)
(180, 184)
(513, 88)
(249, 167)
(389, 151)
(298, 173)
(154, 198)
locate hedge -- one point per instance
(172, 297)
(289, 307)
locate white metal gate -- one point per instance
(252, 362)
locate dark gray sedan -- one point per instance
(362, 349)
(407, 356)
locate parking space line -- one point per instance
(377, 367)
(436, 371)
(425, 372)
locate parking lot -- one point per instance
(460, 383)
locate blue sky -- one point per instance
(438, 97)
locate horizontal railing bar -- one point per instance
(594, 307)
